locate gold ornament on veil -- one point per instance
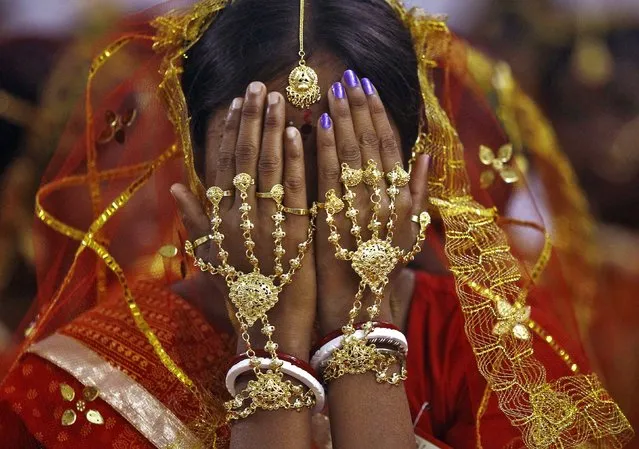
(253, 295)
(303, 88)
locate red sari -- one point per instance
(143, 406)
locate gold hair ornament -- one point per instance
(303, 89)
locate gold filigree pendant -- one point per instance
(303, 88)
(253, 294)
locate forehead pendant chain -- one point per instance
(303, 88)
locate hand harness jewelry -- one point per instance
(253, 295)
(373, 261)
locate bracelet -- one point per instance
(290, 366)
(357, 356)
(378, 336)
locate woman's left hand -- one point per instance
(358, 131)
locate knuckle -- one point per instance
(326, 141)
(388, 144)
(377, 108)
(272, 121)
(294, 183)
(330, 172)
(246, 152)
(359, 101)
(225, 161)
(251, 111)
(342, 112)
(368, 139)
(268, 164)
(349, 152)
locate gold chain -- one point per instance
(302, 53)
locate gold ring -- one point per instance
(415, 219)
(320, 205)
(215, 194)
(202, 241)
(276, 194)
(296, 211)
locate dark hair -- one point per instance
(258, 40)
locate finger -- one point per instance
(419, 184)
(294, 172)
(365, 133)
(270, 166)
(389, 149)
(328, 167)
(193, 216)
(225, 160)
(250, 134)
(347, 149)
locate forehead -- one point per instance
(329, 69)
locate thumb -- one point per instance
(193, 216)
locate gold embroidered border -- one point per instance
(132, 401)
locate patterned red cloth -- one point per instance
(444, 387)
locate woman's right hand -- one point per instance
(258, 143)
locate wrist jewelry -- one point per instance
(253, 295)
(373, 261)
(290, 366)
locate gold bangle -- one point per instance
(276, 194)
(297, 211)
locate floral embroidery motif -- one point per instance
(116, 126)
(512, 318)
(497, 163)
(89, 394)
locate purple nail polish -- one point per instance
(338, 90)
(368, 87)
(351, 78)
(325, 121)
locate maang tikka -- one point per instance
(303, 89)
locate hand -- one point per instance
(258, 144)
(359, 132)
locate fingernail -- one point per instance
(236, 103)
(273, 98)
(368, 87)
(351, 78)
(338, 90)
(255, 87)
(291, 133)
(325, 121)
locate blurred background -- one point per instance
(579, 59)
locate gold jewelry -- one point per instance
(201, 241)
(303, 89)
(356, 356)
(269, 391)
(414, 218)
(254, 294)
(373, 261)
(215, 194)
(297, 211)
(276, 193)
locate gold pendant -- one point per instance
(303, 88)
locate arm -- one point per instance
(254, 141)
(364, 413)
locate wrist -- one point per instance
(297, 348)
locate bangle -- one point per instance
(300, 373)
(378, 336)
